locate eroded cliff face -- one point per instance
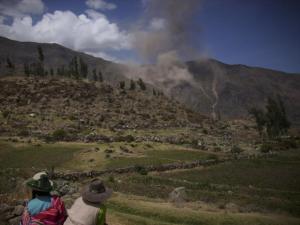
(229, 91)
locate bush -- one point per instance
(122, 85)
(141, 83)
(140, 169)
(132, 85)
(236, 149)
(59, 134)
(287, 143)
(23, 133)
(111, 179)
(265, 147)
(5, 113)
(213, 157)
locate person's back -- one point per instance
(43, 209)
(39, 204)
(85, 214)
(89, 209)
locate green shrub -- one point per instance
(213, 157)
(265, 147)
(59, 134)
(287, 143)
(140, 169)
(111, 179)
(23, 133)
(5, 113)
(122, 84)
(235, 149)
(141, 83)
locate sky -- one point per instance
(264, 33)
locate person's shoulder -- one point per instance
(31, 201)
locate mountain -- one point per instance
(55, 56)
(216, 89)
(229, 91)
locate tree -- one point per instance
(58, 71)
(73, 68)
(153, 92)
(274, 120)
(40, 53)
(141, 83)
(76, 68)
(260, 119)
(26, 69)
(100, 77)
(64, 72)
(51, 72)
(122, 85)
(40, 66)
(132, 85)
(95, 78)
(83, 68)
(9, 63)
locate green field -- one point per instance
(262, 191)
(130, 210)
(262, 185)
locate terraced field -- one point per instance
(132, 210)
(242, 191)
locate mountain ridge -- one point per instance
(220, 90)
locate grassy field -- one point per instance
(260, 185)
(132, 210)
(262, 191)
(157, 157)
(40, 156)
(82, 156)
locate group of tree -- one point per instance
(97, 76)
(77, 68)
(132, 85)
(271, 122)
(9, 65)
(37, 68)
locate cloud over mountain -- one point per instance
(90, 31)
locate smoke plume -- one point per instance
(164, 37)
(167, 26)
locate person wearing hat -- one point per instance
(89, 209)
(43, 209)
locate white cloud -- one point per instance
(20, 8)
(90, 32)
(100, 4)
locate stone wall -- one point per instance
(130, 169)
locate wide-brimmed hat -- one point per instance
(41, 182)
(96, 192)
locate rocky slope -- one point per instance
(216, 89)
(228, 91)
(35, 105)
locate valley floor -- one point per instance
(255, 190)
(132, 210)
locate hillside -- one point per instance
(55, 56)
(233, 89)
(43, 105)
(215, 89)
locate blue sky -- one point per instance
(263, 33)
